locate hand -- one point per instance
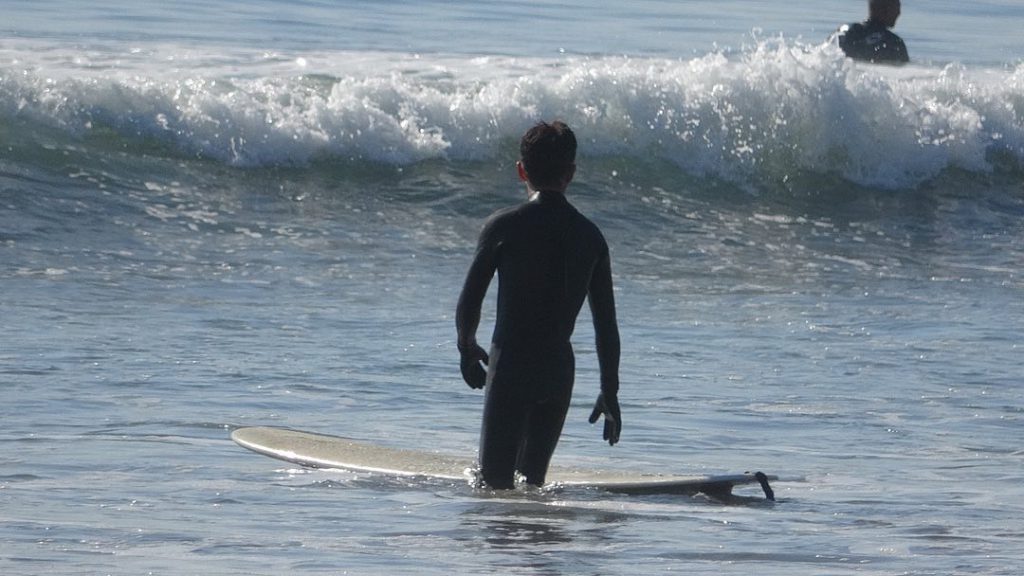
(474, 365)
(609, 406)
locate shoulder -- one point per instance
(891, 49)
(848, 34)
(894, 38)
(590, 225)
(588, 229)
(501, 217)
(854, 29)
(494, 227)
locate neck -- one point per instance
(550, 192)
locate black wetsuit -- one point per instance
(872, 42)
(549, 258)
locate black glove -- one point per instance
(473, 365)
(609, 406)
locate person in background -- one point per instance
(872, 40)
(549, 259)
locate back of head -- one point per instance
(548, 154)
(884, 11)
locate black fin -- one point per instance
(768, 492)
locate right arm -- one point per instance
(606, 330)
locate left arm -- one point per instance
(467, 313)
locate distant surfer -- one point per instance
(549, 259)
(872, 40)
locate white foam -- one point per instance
(778, 110)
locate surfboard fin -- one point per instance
(763, 480)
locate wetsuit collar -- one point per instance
(872, 23)
(547, 196)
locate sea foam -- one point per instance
(775, 110)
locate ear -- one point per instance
(522, 172)
(571, 174)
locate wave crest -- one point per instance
(774, 111)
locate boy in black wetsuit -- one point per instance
(549, 259)
(872, 41)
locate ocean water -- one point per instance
(223, 214)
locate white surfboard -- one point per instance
(325, 451)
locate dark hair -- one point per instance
(547, 152)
